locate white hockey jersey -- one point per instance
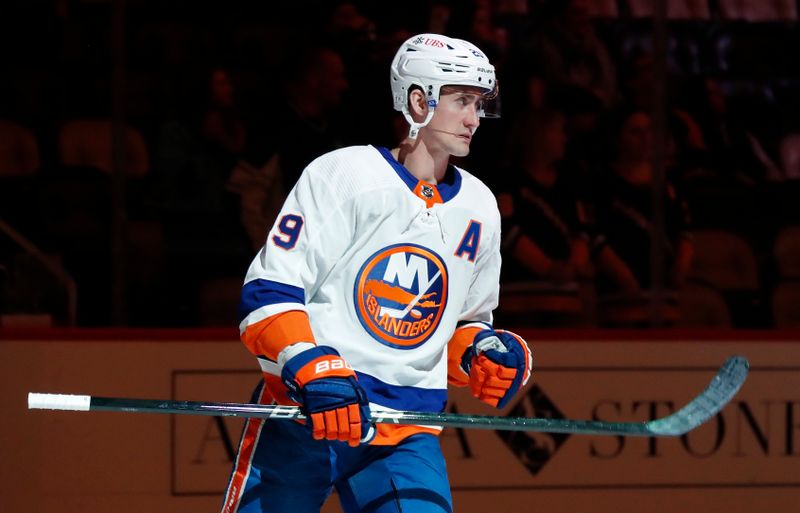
(385, 266)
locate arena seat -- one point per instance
(603, 9)
(624, 311)
(20, 166)
(790, 156)
(724, 260)
(87, 143)
(787, 252)
(758, 10)
(786, 305)
(727, 262)
(19, 150)
(676, 9)
(702, 306)
(542, 304)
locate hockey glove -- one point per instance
(499, 364)
(329, 395)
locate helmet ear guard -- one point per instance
(415, 127)
(431, 61)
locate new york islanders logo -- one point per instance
(400, 294)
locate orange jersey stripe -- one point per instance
(270, 336)
(244, 459)
(277, 390)
(393, 434)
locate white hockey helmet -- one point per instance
(430, 61)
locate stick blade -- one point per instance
(729, 379)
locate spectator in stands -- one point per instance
(570, 52)
(734, 150)
(482, 29)
(685, 143)
(544, 233)
(474, 21)
(582, 111)
(196, 153)
(347, 27)
(222, 122)
(624, 217)
(297, 126)
(352, 32)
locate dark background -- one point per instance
(152, 232)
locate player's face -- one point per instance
(455, 120)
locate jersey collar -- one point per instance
(442, 192)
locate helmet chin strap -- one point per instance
(414, 127)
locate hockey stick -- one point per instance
(720, 391)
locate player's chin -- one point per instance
(460, 150)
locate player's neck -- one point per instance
(424, 164)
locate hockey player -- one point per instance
(375, 289)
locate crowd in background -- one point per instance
(226, 102)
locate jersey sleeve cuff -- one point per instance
(270, 336)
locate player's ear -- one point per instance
(417, 105)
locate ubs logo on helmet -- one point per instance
(400, 293)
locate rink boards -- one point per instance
(746, 459)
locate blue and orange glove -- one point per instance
(499, 364)
(329, 395)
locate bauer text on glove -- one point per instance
(329, 395)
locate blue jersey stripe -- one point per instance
(258, 293)
(403, 398)
(448, 187)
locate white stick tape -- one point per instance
(58, 402)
